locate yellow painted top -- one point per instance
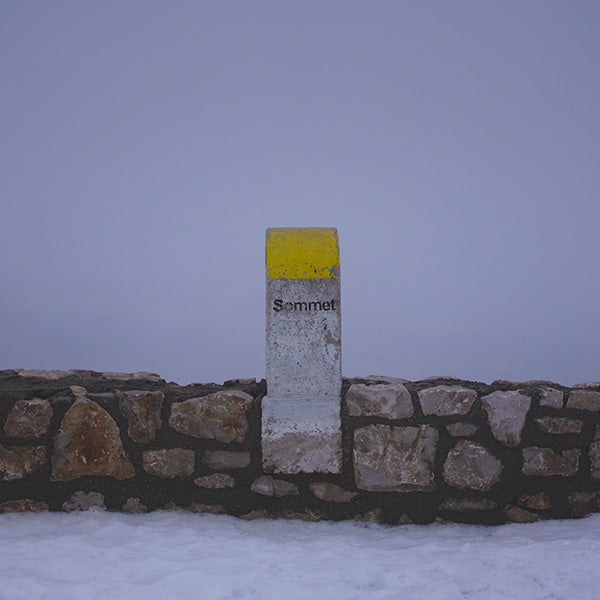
(302, 253)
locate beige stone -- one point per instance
(470, 465)
(142, 411)
(546, 462)
(539, 501)
(390, 401)
(268, 486)
(446, 400)
(559, 425)
(584, 400)
(17, 462)
(221, 416)
(330, 492)
(225, 459)
(169, 462)
(506, 413)
(395, 459)
(26, 505)
(216, 481)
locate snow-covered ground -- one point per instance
(175, 555)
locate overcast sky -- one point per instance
(146, 146)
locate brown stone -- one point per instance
(221, 416)
(17, 462)
(594, 454)
(142, 411)
(506, 413)
(395, 459)
(546, 462)
(224, 459)
(584, 503)
(519, 515)
(390, 401)
(584, 400)
(539, 501)
(329, 492)
(446, 400)
(84, 501)
(216, 481)
(134, 506)
(28, 418)
(169, 462)
(468, 504)
(267, 486)
(469, 465)
(559, 425)
(26, 505)
(89, 443)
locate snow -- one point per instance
(178, 555)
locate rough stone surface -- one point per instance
(50, 374)
(134, 506)
(462, 429)
(324, 490)
(551, 398)
(584, 503)
(89, 443)
(506, 413)
(559, 425)
(141, 375)
(391, 401)
(216, 481)
(225, 459)
(587, 384)
(221, 416)
(446, 400)
(26, 505)
(584, 400)
(84, 501)
(28, 418)
(519, 515)
(594, 454)
(395, 459)
(142, 411)
(546, 462)
(539, 501)
(267, 486)
(169, 462)
(468, 504)
(17, 462)
(301, 435)
(469, 465)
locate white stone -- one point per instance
(301, 435)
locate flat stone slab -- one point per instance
(301, 435)
(390, 401)
(446, 400)
(395, 459)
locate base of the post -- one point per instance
(301, 435)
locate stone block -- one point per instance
(520, 515)
(88, 443)
(468, 504)
(551, 398)
(470, 465)
(395, 459)
(28, 418)
(84, 501)
(390, 401)
(506, 413)
(26, 505)
(225, 459)
(330, 492)
(584, 503)
(446, 400)
(594, 455)
(18, 462)
(169, 462)
(462, 429)
(221, 416)
(216, 481)
(539, 501)
(584, 400)
(142, 411)
(267, 486)
(559, 425)
(301, 436)
(546, 462)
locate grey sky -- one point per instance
(148, 145)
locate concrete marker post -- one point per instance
(301, 424)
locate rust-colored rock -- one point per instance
(330, 492)
(559, 425)
(26, 505)
(546, 462)
(221, 416)
(17, 462)
(28, 418)
(470, 465)
(584, 400)
(539, 501)
(89, 443)
(142, 411)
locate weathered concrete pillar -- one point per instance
(301, 430)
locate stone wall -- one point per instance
(419, 451)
